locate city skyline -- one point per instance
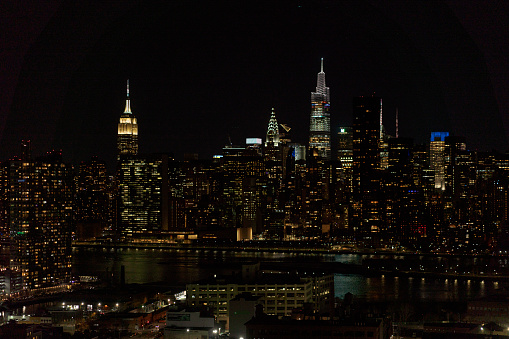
(196, 78)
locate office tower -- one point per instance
(366, 164)
(404, 200)
(95, 200)
(342, 182)
(274, 162)
(319, 127)
(127, 137)
(437, 158)
(315, 196)
(345, 156)
(143, 195)
(37, 203)
(285, 137)
(460, 177)
(272, 149)
(345, 146)
(243, 182)
(199, 194)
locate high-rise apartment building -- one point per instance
(319, 127)
(127, 137)
(37, 200)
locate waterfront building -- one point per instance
(143, 195)
(127, 135)
(37, 202)
(280, 293)
(319, 126)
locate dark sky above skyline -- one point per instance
(201, 71)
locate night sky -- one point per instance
(201, 71)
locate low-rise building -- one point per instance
(491, 308)
(242, 309)
(268, 327)
(279, 292)
(189, 323)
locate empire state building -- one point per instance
(127, 137)
(319, 127)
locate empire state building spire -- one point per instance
(128, 100)
(319, 127)
(127, 135)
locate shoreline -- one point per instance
(321, 267)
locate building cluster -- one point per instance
(373, 190)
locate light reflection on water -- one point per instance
(178, 267)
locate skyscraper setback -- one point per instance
(319, 127)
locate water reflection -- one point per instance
(178, 267)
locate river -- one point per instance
(177, 267)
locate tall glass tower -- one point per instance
(127, 137)
(319, 127)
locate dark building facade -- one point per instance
(366, 165)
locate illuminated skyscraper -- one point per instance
(319, 127)
(127, 137)
(437, 158)
(272, 131)
(143, 195)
